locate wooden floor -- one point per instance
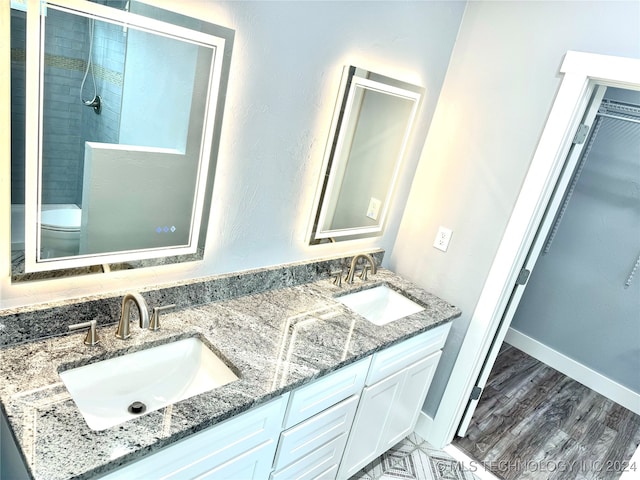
(533, 422)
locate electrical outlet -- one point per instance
(443, 237)
(374, 208)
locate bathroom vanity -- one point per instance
(320, 389)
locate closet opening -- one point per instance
(556, 154)
(564, 394)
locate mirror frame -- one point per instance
(346, 107)
(220, 40)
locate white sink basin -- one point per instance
(380, 305)
(156, 377)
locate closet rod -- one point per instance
(617, 117)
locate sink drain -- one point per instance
(137, 408)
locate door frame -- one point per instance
(582, 73)
(546, 225)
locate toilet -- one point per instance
(60, 230)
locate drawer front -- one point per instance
(308, 436)
(254, 464)
(322, 464)
(210, 449)
(325, 392)
(395, 358)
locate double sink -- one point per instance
(113, 391)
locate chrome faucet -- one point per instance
(123, 326)
(352, 269)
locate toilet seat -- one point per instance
(61, 219)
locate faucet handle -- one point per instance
(337, 277)
(363, 275)
(92, 336)
(154, 324)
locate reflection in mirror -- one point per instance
(370, 129)
(124, 146)
(115, 165)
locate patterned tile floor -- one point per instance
(414, 459)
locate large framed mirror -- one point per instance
(116, 118)
(370, 129)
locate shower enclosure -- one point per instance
(66, 122)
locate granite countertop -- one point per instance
(248, 332)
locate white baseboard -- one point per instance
(575, 370)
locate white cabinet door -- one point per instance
(408, 403)
(371, 417)
(387, 413)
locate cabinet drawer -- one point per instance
(395, 358)
(304, 438)
(321, 464)
(254, 464)
(214, 448)
(325, 392)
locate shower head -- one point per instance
(96, 103)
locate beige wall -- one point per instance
(499, 88)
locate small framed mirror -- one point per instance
(370, 129)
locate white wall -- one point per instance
(284, 79)
(493, 106)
